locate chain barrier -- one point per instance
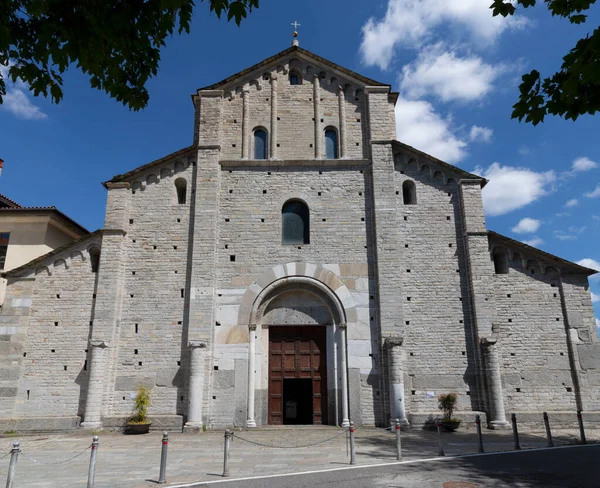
(256, 443)
(58, 462)
(7, 454)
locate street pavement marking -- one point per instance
(363, 466)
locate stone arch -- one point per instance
(76, 254)
(412, 165)
(179, 166)
(305, 275)
(165, 173)
(438, 176)
(152, 178)
(136, 186)
(533, 266)
(517, 260)
(426, 170)
(43, 269)
(61, 263)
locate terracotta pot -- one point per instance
(135, 429)
(450, 425)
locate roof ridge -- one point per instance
(9, 201)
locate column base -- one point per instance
(90, 425)
(499, 424)
(345, 423)
(193, 427)
(250, 423)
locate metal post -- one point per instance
(228, 436)
(581, 429)
(92, 470)
(398, 441)
(352, 445)
(548, 431)
(14, 457)
(479, 434)
(162, 477)
(513, 419)
(440, 440)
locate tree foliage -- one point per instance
(116, 42)
(572, 91)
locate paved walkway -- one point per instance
(133, 461)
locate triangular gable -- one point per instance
(563, 264)
(461, 173)
(233, 79)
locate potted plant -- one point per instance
(138, 422)
(447, 404)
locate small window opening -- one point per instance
(295, 78)
(95, 259)
(409, 192)
(331, 144)
(181, 187)
(295, 223)
(500, 262)
(260, 144)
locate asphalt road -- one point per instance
(574, 467)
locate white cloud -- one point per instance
(511, 188)
(411, 22)
(572, 203)
(598, 325)
(480, 134)
(16, 100)
(564, 237)
(527, 226)
(577, 230)
(535, 242)
(595, 193)
(595, 299)
(583, 164)
(418, 124)
(563, 214)
(593, 264)
(448, 76)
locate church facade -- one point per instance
(296, 264)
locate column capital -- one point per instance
(252, 326)
(342, 325)
(393, 341)
(488, 341)
(99, 343)
(197, 344)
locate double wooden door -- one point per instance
(297, 375)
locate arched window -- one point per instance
(331, 144)
(295, 78)
(181, 187)
(295, 225)
(409, 192)
(260, 144)
(95, 259)
(500, 261)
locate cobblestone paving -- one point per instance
(133, 461)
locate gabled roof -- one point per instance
(303, 52)
(50, 211)
(7, 202)
(55, 252)
(563, 263)
(164, 159)
(439, 162)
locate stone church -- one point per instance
(295, 265)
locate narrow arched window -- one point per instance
(295, 225)
(331, 144)
(181, 187)
(500, 261)
(260, 144)
(94, 259)
(295, 78)
(409, 192)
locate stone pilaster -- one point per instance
(491, 356)
(342, 123)
(317, 106)
(196, 384)
(395, 356)
(251, 422)
(93, 402)
(273, 135)
(246, 123)
(344, 370)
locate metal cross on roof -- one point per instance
(296, 25)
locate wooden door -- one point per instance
(297, 353)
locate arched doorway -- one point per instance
(297, 316)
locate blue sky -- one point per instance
(457, 70)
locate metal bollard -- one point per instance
(398, 441)
(479, 434)
(513, 418)
(581, 429)
(162, 477)
(228, 436)
(92, 470)
(352, 445)
(440, 440)
(548, 431)
(12, 468)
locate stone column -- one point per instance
(344, 371)
(317, 105)
(251, 422)
(273, 138)
(342, 111)
(246, 123)
(93, 403)
(396, 378)
(195, 393)
(491, 359)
